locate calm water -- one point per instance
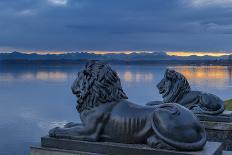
(35, 99)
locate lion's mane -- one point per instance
(102, 85)
(178, 87)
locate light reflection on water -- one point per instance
(195, 74)
(129, 76)
(209, 76)
(40, 75)
(33, 100)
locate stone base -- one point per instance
(226, 116)
(53, 146)
(220, 132)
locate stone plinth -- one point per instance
(53, 146)
(53, 151)
(226, 116)
(220, 132)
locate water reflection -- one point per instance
(197, 75)
(212, 76)
(29, 76)
(6, 77)
(129, 76)
(51, 76)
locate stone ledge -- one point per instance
(52, 151)
(219, 132)
(217, 125)
(226, 116)
(211, 148)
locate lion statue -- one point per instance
(174, 87)
(107, 115)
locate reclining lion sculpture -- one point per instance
(107, 115)
(174, 87)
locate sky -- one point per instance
(116, 25)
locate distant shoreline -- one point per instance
(219, 62)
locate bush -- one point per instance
(228, 104)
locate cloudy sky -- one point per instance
(63, 25)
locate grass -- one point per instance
(228, 104)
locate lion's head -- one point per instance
(173, 86)
(97, 84)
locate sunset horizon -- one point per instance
(97, 52)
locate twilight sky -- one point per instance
(63, 25)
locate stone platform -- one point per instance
(219, 132)
(53, 146)
(226, 116)
(52, 151)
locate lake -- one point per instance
(36, 99)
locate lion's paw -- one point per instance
(70, 124)
(154, 142)
(53, 132)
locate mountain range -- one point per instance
(109, 56)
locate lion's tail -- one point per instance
(213, 101)
(220, 110)
(182, 123)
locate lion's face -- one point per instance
(164, 86)
(97, 84)
(173, 86)
(80, 85)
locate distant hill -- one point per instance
(91, 56)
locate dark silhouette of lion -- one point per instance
(107, 115)
(174, 87)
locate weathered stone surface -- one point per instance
(220, 132)
(48, 144)
(224, 126)
(226, 116)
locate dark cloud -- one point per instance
(116, 25)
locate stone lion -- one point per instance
(107, 115)
(174, 87)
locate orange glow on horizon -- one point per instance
(170, 53)
(186, 54)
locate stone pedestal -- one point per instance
(53, 146)
(226, 116)
(220, 132)
(218, 128)
(53, 151)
